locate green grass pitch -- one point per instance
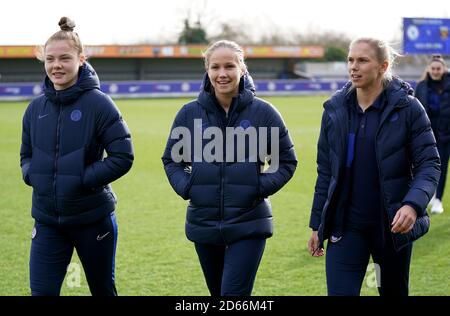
(153, 255)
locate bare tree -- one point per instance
(233, 31)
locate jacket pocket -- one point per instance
(40, 172)
(203, 184)
(26, 173)
(190, 181)
(258, 180)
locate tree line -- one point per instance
(335, 44)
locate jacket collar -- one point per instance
(246, 94)
(396, 91)
(87, 80)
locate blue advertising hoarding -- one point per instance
(426, 36)
(156, 89)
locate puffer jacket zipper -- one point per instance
(222, 172)
(228, 116)
(55, 172)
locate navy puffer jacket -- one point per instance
(228, 200)
(440, 118)
(64, 136)
(408, 161)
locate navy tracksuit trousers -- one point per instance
(51, 252)
(230, 270)
(347, 260)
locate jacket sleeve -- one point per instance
(114, 135)
(424, 157)
(323, 175)
(271, 182)
(177, 172)
(26, 147)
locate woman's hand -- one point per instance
(404, 220)
(313, 245)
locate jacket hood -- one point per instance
(246, 93)
(397, 92)
(87, 80)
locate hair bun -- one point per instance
(66, 24)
